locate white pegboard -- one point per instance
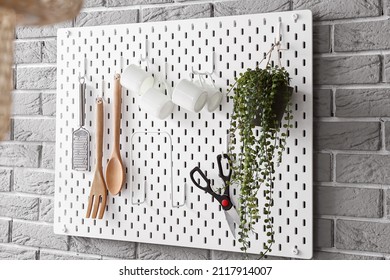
(158, 164)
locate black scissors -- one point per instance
(223, 199)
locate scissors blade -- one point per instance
(233, 198)
(232, 217)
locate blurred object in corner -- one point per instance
(41, 12)
(24, 12)
(7, 26)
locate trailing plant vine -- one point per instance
(254, 152)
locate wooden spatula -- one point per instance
(98, 195)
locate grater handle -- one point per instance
(82, 101)
(99, 131)
(117, 110)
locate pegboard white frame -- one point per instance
(196, 139)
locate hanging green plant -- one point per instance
(261, 98)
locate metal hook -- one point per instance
(82, 79)
(146, 58)
(178, 205)
(142, 59)
(194, 72)
(205, 73)
(102, 91)
(158, 80)
(164, 81)
(83, 69)
(145, 183)
(210, 75)
(139, 201)
(191, 75)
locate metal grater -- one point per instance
(81, 137)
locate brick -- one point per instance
(36, 78)
(341, 256)
(353, 202)
(387, 135)
(370, 102)
(323, 233)
(19, 155)
(322, 103)
(58, 255)
(40, 32)
(49, 104)
(35, 182)
(340, 70)
(5, 180)
(334, 9)
(93, 3)
(20, 207)
(34, 129)
(363, 236)
(361, 36)
(17, 253)
(120, 3)
(26, 103)
(162, 252)
(46, 210)
(229, 8)
(387, 204)
(37, 235)
(4, 230)
(27, 52)
(347, 136)
(176, 12)
(386, 7)
(321, 38)
(386, 61)
(322, 167)
(118, 249)
(224, 255)
(49, 51)
(48, 156)
(373, 169)
(106, 18)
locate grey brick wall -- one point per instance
(351, 128)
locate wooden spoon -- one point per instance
(115, 173)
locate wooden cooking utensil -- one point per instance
(98, 194)
(115, 173)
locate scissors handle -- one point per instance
(207, 188)
(225, 178)
(224, 199)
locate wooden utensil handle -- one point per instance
(117, 110)
(99, 131)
